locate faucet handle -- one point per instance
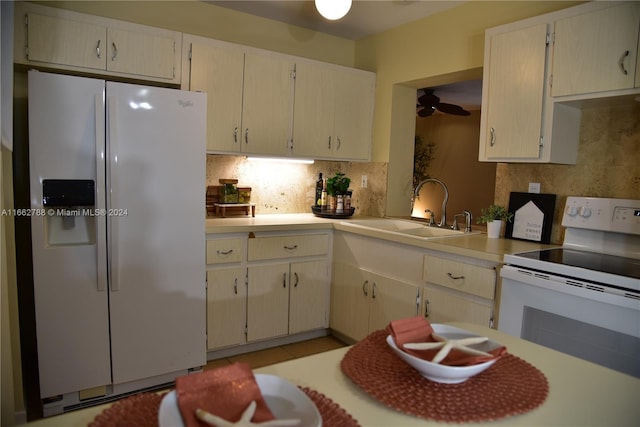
(432, 217)
(467, 220)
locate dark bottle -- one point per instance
(318, 190)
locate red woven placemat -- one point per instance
(141, 410)
(510, 386)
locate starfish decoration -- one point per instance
(245, 419)
(446, 345)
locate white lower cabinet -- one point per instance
(459, 291)
(226, 307)
(267, 286)
(362, 301)
(287, 298)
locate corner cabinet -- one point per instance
(60, 39)
(369, 289)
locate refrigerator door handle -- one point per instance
(101, 222)
(112, 231)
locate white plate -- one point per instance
(284, 399)
(444, 373)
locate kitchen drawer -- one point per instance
(298, 245)
(480, 281)
(224, 250)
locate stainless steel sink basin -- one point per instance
(406, 227)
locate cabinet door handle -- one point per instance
(451, 276)
(492, 140)
(329, 145)
(235, 286)
(115, 51)
(98, 52)
(284, 280)
(365, 287)
(621, 62)
(295, 285)
(291, 248)
(426, 308)
(373, 290)
(246, 136)
(235, 134)
(339, 143)
(224, 252)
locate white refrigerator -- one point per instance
(117, 178)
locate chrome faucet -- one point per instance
(443, 219)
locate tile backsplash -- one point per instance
(290, 187)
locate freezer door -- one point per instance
(66, 141)
(156, 199)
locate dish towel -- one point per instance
(225, 392)
(417, 329)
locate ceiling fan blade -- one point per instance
(426, 112)
(428, 99)
(452, 109)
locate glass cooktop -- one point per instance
(612, 264)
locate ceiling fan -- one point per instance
(428, 103)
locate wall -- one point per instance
(290, 187)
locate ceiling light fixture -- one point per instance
(333, 9)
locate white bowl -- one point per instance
(444, 373)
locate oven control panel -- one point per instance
(595, 213)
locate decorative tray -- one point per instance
(318, 211)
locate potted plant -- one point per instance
(338, 184)
(493, 216)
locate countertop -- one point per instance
(472, 245)
(580, 393)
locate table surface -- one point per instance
(580, 392)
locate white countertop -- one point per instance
(580, 392)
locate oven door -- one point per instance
(590, 324)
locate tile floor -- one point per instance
(282, 353)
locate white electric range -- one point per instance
(582, 298)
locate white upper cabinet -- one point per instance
(333, 114)
(249, 96)
(512, 98)
(61, 39)
(64, 42)
(217, 70)
(267, 103)
(150, 55)
(596, 51)
(533, 90)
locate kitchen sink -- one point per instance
(406, 227)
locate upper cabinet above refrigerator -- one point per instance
(51, 37)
